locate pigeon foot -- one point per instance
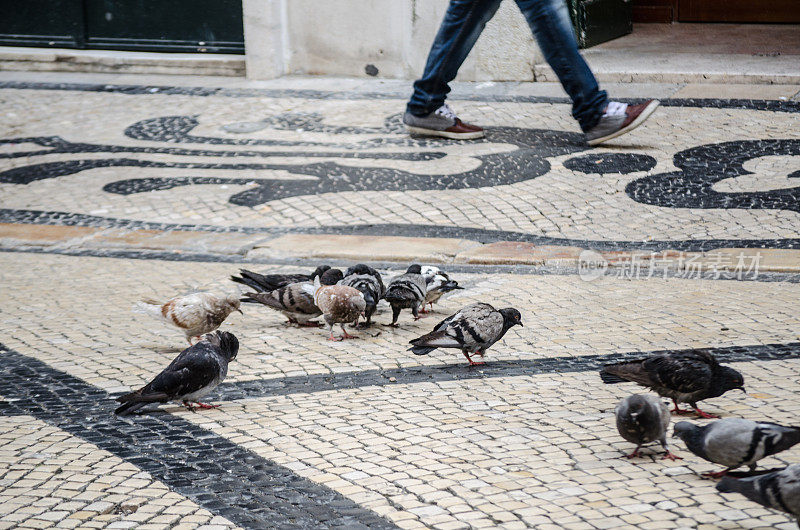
(670, 456)
(706, 415)
(715, 474)
(634, 454)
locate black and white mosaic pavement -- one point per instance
(699, 176)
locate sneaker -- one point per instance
(442, 122)
(618, 119)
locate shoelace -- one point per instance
(446, 112)
(615, 108)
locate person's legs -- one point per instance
(551, 25)
(461, 27)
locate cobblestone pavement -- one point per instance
(118, 192)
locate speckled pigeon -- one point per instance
(195, 314)
(641, 419)
(685, 377)
(339, 304)
(437, 283)
(736, 442)
(406, 291)
(472, 330)
(266, 283)
(369, 282)
(779, 490)
(293, 301)
(194, 373)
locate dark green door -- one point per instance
(211, 26)
(598, 21)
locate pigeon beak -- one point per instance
(520, 324)
(743, 390)
(239, 310)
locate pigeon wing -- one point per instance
(684, 373)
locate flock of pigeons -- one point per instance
(343, 297)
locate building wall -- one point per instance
(345, 36)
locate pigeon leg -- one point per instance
(415, 312)
(706, 415)
(471, 362)
(206, 405)
(331, 337)
(346, 335)
(678, 410)
(395, 314)
(189, 406)
(423, 310)
(716, 474)
(636, 453)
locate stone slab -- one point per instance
(519, 253)
(363, 248)
(12, 235)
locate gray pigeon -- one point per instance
(406, 291)
(293, 301)
(685, 377)
(437, 283)
(195, 372)
(472, 330)
(736, 442)
(779, 490)
(369, 282)
(642, 419)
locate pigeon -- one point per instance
(642, 419)
(779, 490)
(406, 291)
(195, 372)
(437, 283)
(266, 283)
(369, 282)
(339, 304)
(736, 442)
(196, 314)
(293, 301)
(472, 330)
(685, 377)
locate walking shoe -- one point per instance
(618, 119)
(442, 122)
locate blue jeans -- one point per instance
(549, 20)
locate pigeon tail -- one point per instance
(421, 350)
(128, 408)
(149, 307)
(611, 379)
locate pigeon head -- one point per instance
(686, 431)
(232, 302)
(636, 405)
(358, 269)
(320, 270)
(731, 379)
(414, 269)
(511, 317)
(226, 342)
(331, 277)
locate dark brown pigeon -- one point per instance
(472, 330)
(266, 283)
(195, 372)
(684, 377)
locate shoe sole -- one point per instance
(444, 134)
(648, 110)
